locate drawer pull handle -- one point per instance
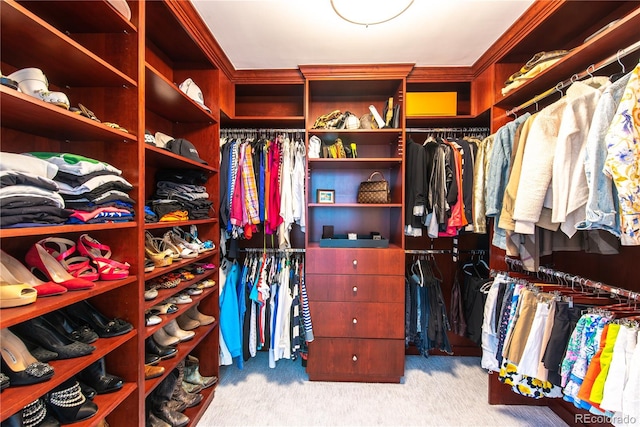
(355, 262)
(355, 289)
(354, 358)
(355, 320)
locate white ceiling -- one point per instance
(281, 34)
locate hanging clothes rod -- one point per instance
(452, 130)
(444, 251)
(273, 250)
(588, 72)
(577, 280)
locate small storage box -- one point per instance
(431, 104)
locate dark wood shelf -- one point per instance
(162, 159)
(25, 36)
(619, 36)
(163, 294)
(95, 16)
(107, 403)
(184, 348)
(182, 262)
(197, 411)
(15, 315)
(165, 98)
(463, 120)
(373, 163)
(171, 224)
(15, 398)
(63, 229)
(19, 110)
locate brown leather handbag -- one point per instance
(374, 191)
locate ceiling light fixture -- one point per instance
(369, 12)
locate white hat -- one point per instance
(193, 91)
(161, 139)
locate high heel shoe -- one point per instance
(18, 364)
(16, 295)
(108, 268)
(154, 249)
(205, 246)
(68, 327)
(38, 257)
(68, 404)
(12, 271)
(85, 313)
(77, 266)
(40, 331)
(36, 413)
(182, 237)
(172, 243)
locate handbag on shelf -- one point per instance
(374, 191)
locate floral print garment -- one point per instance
(623, 159)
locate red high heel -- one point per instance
(108, 268)
(12, 271)
(77, 266)
(39, 258)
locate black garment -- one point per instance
(19, 178)
(13, 202)
(467, 178)
(77, 180)
(458, 317)
(182, 176)
(474, 302)
(224, 213)
(33, 214)
(163, 207)
(111, 196)
(564, 322)
(416, 183)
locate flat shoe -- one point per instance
(150, 294)
(151, 319)
(153, 372)
(166, 308)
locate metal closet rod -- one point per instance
(588, 72)
(259, 130)
(456, 130)
(578, 280)
(445, 251)
(273, 250)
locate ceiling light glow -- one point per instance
(369, 12)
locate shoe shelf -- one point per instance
(43, 305)
(184, 348)
(16, 397)
(96, 16)
(163, 294)
(372, 163)
(19, 111)
(165, 99)
(183, 262)
(156, 225)
(26, 36)
(107, 403)
(621, 34)
(197, 411)
(164, 159)
(62, 229)
(182, 308)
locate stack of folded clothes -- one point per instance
(180, 195)
(28, 195)
(95, 191)
(540, 62)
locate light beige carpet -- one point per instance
(435, 391)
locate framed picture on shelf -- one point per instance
(326, 196)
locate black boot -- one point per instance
(95, 376)
(155, 349)
(160, 403)
(180, 394)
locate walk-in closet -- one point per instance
(289, 213)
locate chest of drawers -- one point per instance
(356, 298)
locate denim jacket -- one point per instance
(602, 204)
(498, 174)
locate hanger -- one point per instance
(617, 76)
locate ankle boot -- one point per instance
(192, 373)
(180, 394)
(163, 352)
(36, 413)
(95, 376)
(203, 319)
(68, 404)
(153, 421)
(174, 330)
(160, 403)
